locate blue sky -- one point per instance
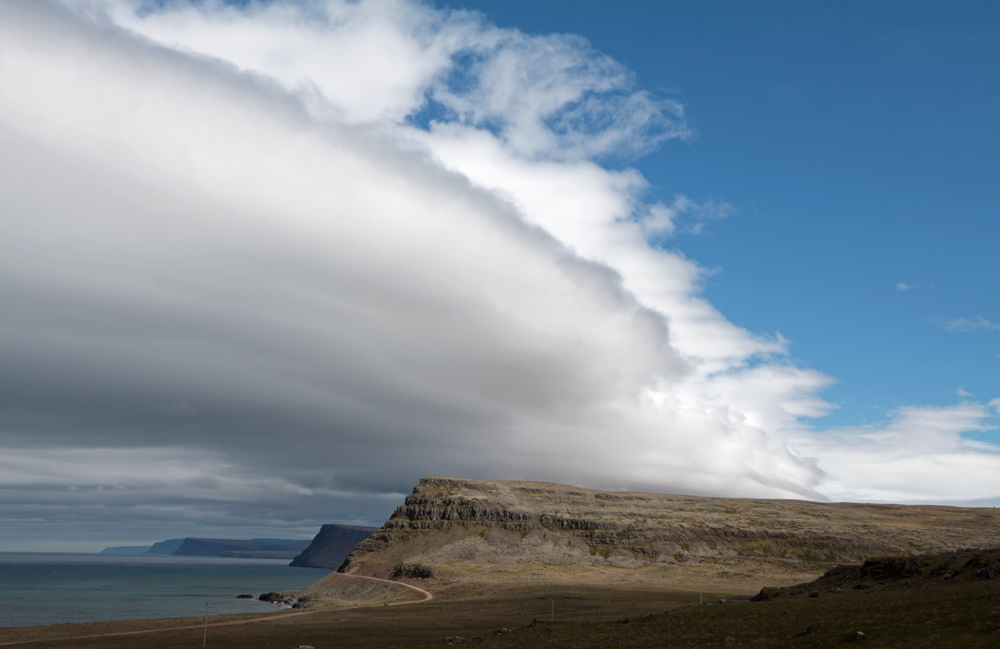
(860, 143)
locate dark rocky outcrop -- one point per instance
(896, 572)
(331, 546)
(291, 599)
(411, 571)
(274, 598)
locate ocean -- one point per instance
(58, 588)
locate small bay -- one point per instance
(61, 588)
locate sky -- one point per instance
(860, 146)
(263, 265)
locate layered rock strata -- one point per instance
(449, 521)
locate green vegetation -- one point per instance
(603, 550)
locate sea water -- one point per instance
(57, 588)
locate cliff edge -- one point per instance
(332, 544)
(460, 530)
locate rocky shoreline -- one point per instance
(287, 600)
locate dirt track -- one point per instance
(428, 596)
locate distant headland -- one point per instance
(328, 549)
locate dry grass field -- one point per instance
(928, 612)
(946, 600)
(411, 625)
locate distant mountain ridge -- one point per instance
(126, 549)
(246, 549)
(327, 549)
(165, 547)
(235, 548)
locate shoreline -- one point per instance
(11, 636)
(48, 589)
(157, 558)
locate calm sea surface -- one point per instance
(57, 588)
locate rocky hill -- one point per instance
(921, 571)
(332, 545)
(461, 530)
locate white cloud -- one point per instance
(963, 325)
(920, 455)
(660, 220)
(547, 96)
(962, 393)
(242, 244)
(903, 287)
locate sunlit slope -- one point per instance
(462, 530)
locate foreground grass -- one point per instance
(410, 625)
(966, 616)
(945, 615)
(55, 631)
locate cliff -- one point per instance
(446, 526)
(332, 545)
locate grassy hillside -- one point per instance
(467, 531)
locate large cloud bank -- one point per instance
(263, 267)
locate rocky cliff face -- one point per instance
(447, 522)
(331, 546)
